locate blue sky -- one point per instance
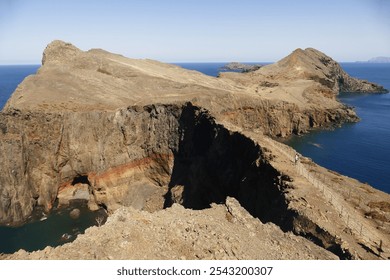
(196, 30)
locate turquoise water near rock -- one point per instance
(55, 229)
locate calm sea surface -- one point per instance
(55, 229)
(360, 150)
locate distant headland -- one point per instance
(240, 67)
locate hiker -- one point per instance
(296, 159)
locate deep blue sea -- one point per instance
(10, 77)
(212, 68)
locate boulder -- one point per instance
(75, 213)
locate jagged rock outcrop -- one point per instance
(143, 134)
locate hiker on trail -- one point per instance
(296, 159)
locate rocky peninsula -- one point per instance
(240, 67)
(161, 147)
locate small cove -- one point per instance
(52, 229)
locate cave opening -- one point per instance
(81, 179)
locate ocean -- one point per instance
(52, 230)
(10, 77)
(212, 68)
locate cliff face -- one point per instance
(281, 119)
(124, 132)
(44, 154)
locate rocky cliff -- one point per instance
(143, 134)
(45, 154)
(313, 65)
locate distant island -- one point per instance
(379, 59)
(240, 67)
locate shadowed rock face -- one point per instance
(212, 163)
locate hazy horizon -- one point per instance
(197, 31)
(217, 62)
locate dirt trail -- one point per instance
(329, 198)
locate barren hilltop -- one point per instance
(184, 162)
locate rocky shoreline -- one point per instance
(121, 132)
